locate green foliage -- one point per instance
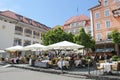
(115, 36)
(56, 35)
(88, 57)
(115, 58)
(84, 39)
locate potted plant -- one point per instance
(115, 58)
(88, 57)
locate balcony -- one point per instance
(36, 37)
(105, 41)
(116, 12)
(18, 33)
(28, 35)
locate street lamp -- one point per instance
(89, 66)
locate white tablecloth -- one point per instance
(107, 66)
(77, 62)
(45, 60)
(43, 63)
(62, 63)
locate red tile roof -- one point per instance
(15, 16)
(77, 19)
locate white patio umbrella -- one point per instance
(2, 51)
(15, 48)
(34, 47)
(64, 45)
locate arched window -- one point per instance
(28, 31)
(18, 28)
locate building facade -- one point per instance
(76, 22)
(16, 29)
(104, 19)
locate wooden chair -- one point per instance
(101, 61)
(98, 68)
(116, 66)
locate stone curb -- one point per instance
(65, 72)
(41, 70)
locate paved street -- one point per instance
(10, 73)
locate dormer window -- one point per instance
(20, 18)
(30, 21)
(37, 23)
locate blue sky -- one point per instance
(48, 12)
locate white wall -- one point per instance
(6, 34)
(91, 19)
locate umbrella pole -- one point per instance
(62, 64)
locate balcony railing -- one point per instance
(28, 35)
(18, 33)
(34, 36)
(105, 41)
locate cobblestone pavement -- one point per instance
(11, 73)
(82, 74)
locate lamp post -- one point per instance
(89, 66)
(105, 56)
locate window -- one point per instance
(108, 24)
(28, 31)
(74, 24)
(107, 13)
(97, 15)
(30, 21)
(27, 42)
(116, 0)
(17, 41)
(20, 18)
(71, 25)
(36, 34)
(18, 28)
(74, 31)
(105, 2)
(99, 36)
(109, 36)
(98, 26)
(82, 23)
(34, 42)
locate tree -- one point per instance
(116, 39)
(56, 35)
(115, 36)
(84, 39)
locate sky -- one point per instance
(48, 12)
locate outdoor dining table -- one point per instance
(43, 63)
(63, 63)
(107, 66)
(77, 62)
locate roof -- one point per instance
(95, 7)
(16, 16)
(77, 19)
(98, 5)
